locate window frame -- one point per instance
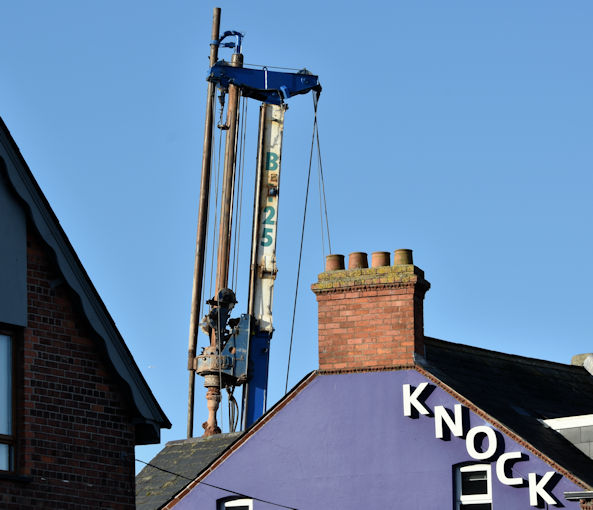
(473, 499)
(10, 439)
(235, 502)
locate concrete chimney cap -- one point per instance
(583, 360)
(588, 364)
(579, 359)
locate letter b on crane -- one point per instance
(271, 161)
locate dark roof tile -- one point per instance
(175, 466)
(519, 392)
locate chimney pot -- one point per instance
(402, 257)
(358, 260)
(334, 262)
(380, 259)
(371, 317)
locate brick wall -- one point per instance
(370, 317)
(75, 442)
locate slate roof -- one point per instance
(516, 391)
(179, 462)
(519, 392)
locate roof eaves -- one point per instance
(48, 225)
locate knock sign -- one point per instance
(413, 401)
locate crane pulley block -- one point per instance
(272, 87)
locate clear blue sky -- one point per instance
(459, 129)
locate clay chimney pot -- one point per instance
(334, 262)
(380, 259)
(402, 257)
(358, 260)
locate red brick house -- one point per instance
(73, 403)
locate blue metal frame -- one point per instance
(272, 87)
(254, 401)
(230, 33)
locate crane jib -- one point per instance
(272, 87)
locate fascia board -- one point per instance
(75, 275)
(569, 422)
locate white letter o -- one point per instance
(471, 439)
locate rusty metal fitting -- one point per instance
(334, 262)
(210, 362)
(237, 60)
(357, 260)
(380, 258)
(211, 381)
(212, 401)
(210, 350)
(402, 257)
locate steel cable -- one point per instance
(235, 196)
(239, 197)
(322, 184)
(296, 292)
(321, 213)
(212, 146)
(215, 224)
(200, 482)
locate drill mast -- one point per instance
(238, 350)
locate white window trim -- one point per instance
(569, 422)
(473, 499)
(237, 502)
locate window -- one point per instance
(6, 404)
(473, 485)
(236, 504)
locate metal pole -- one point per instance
(224, 234)
(256, 207)
(254, 238)
(224, 237)
(202, 227)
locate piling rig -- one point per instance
(238, 351)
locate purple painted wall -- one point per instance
(344, 443)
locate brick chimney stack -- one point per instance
(370, 317)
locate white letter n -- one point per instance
(455, 425)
